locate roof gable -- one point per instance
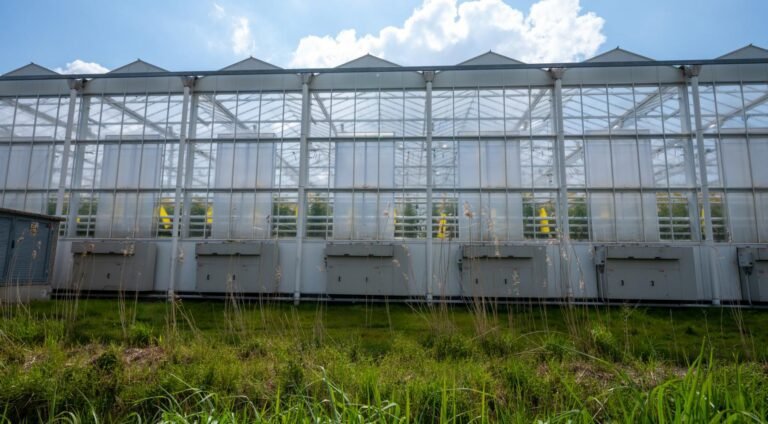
(490, 58)
(31, 69)
(368, 61)
(250, 64)
(619, 55)
(747, 52)
(137, 66)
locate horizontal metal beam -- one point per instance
(386, 69)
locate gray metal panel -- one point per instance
(758, 282)
(492, 78)
(647, 273)
(504, 271)
(279, 82)
(353, 275)
(753, 262)
(367, 80)
(29, 256)
(624, 75)
(27, 247)
(366, 269)
(138, 85)
(652, 279)
(5, 242)
(500, 251)
(113, 266)
(95, 247)
(43, 88)
(744, 73)
(237, 267)
(233, 248)
(359, 249)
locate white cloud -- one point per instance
(242, 40)
(218, 11)
(446, 32)
(82, 67)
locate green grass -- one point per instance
(127, 361)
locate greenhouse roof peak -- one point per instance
(30, 69)
(618, 55)
(248, 64)
(368, 61)
(749, 51)
(490, 58)
(137, 65)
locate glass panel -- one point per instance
(741, 216)
(730, 109)
(363, 216)
(735, 157)
(539, 218)
(599, 173)
(758, 151)
(602, 213)
(578, 217)
(762, 216)
(756, 106)
(410, 216)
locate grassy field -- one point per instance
(128, 361)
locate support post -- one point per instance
(74, 87)
(563, 226)
(690, 164)
(189, 83)
(692, 72)
(301, 218)
(78, 164)
(429, 76)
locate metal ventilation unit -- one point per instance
(753, 266)
(237, 267)
(113, 266)
(367, 269)
(27, 251)
(646, 273)
(503, 271)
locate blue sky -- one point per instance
(210, 34)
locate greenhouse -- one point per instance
(616, 179)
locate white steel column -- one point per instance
(189, 170)
(78, 164)
(74, 87)
(692, 72)
(303, 177)
(428, 77)
(690, 164)
(189, 83)
(563, 227)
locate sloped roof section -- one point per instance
(747, 52)
(137, 66)
(618, 55)
(31, 69)
(490, 58)
(250, 64)
(368, 61)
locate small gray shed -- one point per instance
(27, 251)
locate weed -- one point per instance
(378, 363)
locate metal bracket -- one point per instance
(189, 81)
(691, 70)
(557, 73)
(76, 84)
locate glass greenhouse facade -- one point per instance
(615, 179)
